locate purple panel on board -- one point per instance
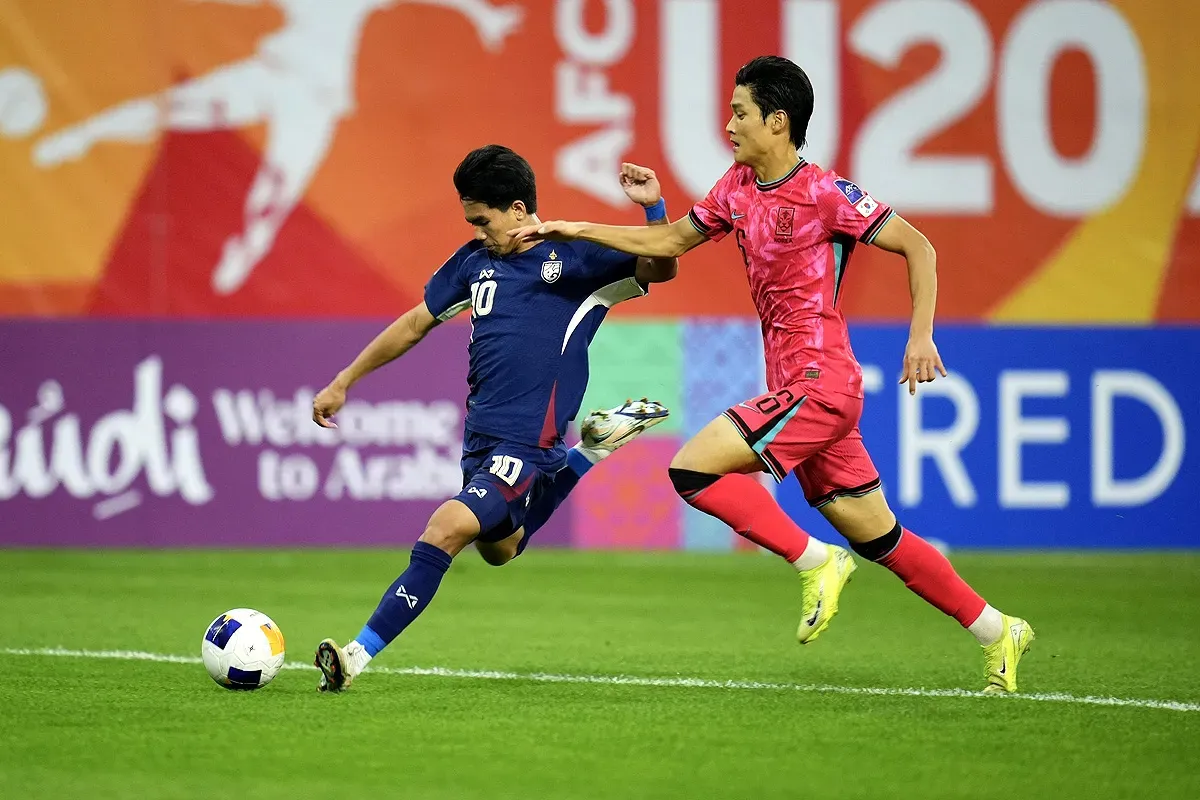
(198, 434)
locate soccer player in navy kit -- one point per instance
(535, 308)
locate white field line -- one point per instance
(629, 680)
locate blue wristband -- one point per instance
(657, 211)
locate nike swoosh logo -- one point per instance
(1004, 666)
(737, 216)
(631, 432)
(1018, 635)
(816, 614)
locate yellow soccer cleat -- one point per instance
(1002, 656)
(822, 588)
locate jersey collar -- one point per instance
(775, 184)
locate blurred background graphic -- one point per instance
(207, 208)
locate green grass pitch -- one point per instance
(794, 721)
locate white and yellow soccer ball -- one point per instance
(243, 649)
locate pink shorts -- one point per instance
(812, 432)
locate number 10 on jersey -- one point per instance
(483, 294)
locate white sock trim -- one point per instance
(989, 627)
(592, 454)
(358, 657)
(814, 555)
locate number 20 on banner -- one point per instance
(884, 152)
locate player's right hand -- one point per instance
(553, 231)
(328, 402)
(640, 184)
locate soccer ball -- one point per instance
(242, 649)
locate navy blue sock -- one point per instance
(406, 598)
(564, 481)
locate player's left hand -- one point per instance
(328, 402)
(922, 362)
(640, 184)
(553, 231)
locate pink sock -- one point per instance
(742, 503)
(927, 573)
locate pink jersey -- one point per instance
(796, 235)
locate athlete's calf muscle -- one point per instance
(497, 554)
(860, 519)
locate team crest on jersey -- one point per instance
(783, 223)
(552, 269)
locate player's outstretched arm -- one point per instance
(921, 359)
(394, 341)
(653, 241)
(641, 185)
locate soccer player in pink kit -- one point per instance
(796, 226)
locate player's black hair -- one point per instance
(777, 84)
(497, 177)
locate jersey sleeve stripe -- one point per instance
(707, 230)
(873, 230)
(454, 310)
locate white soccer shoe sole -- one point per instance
(608, 429)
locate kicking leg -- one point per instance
(451, 528)
(602, 432)
(710, 473)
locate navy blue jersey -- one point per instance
(533, 315)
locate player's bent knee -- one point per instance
(693, 458)
(880, 547)
(717, 449)
(689, 483)
(492, 555)
(682, 460)
(496, 554)
(451, 528)
(860, 519)
(445, 538)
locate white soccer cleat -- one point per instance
(608, 429)
(335, 667)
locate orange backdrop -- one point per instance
(1051, 159)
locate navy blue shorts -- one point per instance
(502, 478)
